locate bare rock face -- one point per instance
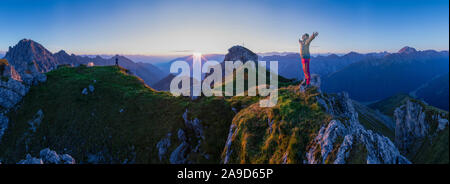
(163, 146)
(228, 149)
(410, 126)
(30, 60)
(180, 154)
(188, 144)
(344, 133)
(27, 62)
(416, 123)
(11, 92)
(36, 121)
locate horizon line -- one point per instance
(258, 53)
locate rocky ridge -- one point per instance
(345, 125)
(418, 125)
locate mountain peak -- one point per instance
(407, 50)
(28, 45)
(62, 52)
(241, 53)
(25, 40)
(29, 60)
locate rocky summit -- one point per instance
(307, 127)
(28, 61)
(240, 53)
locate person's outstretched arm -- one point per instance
(311, 38)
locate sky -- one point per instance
(172, 27)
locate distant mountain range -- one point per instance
(29, 56)
(139, 58)
(376, 78)
(290, 66)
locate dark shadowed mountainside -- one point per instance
(436, 92)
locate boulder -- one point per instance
(84, 91)
(91, 88)
(48, 156)
(67, 159)
(36, 121)
(11, 93)
(315, 82)
(30, 160)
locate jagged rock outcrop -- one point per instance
(84, 91)
(30, 60)
(36, 121)
(410, 126)
(335, 141)
(48, 156)
(315, 82)
(192, 144)
(180, 154)
(163, 146)
(11, 92)
(414, 122)
(298, 130)
(228, 149)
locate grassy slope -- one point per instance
(388, 105)
(372, 121)
(296, 119)
(87, 124)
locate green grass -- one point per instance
(371, 121)
(87, 124)
(435, 150)
(215, 114)
(296, 120)
(358, 154)
(387, 106)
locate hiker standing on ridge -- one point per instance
(304, 54)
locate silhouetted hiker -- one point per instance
(117, 61)
(304, 54)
